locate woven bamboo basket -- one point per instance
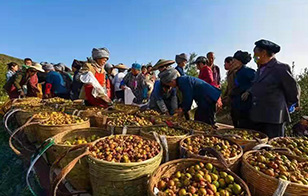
(46, 131)
(298, 157)
(245, 144)
(261, 184)
(79, 176)
(233, 162)
(102, 117)
(173, 141)
(131, 130)
(169, 168)
(114, 179)
(209, 129)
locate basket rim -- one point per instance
(249, 153)
(264, 136)
(213, 158)
(160, 154)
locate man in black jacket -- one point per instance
(273, 91)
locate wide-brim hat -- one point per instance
(305, 117)
(162, 62)
(120, 66)
(36, 66)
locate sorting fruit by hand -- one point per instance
(200, 179)
(196, 143)
(241, 134)
(196, 126)
(130, 120)
(80, 140)
(298, 146)
(58, 118)
(279, 165)
(125, 149)
(169, 131)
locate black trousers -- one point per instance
(206, 115)
(271, 130)
(120, 94)
(241, 119)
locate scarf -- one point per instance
(230, 80)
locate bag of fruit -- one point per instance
(192, 147)
(247, 139)
(172, 137)
(197, 127)
(195, 177)
(274, 172)
(119, 165)
(298, 146)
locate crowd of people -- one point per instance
(259, 99)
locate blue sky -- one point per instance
(144, 31)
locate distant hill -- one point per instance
(4, 60)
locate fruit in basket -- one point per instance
(129, 120)
(196, 126)
(125, 149)
(80, 140)
(149, 113)
(195, 143)
(41, 108)
(58, 118)
(278, 165)
(298, 146)
(57, 100)
(169, 131)
(29, 101)
(126, 108)
(241, 134)
(198, 183)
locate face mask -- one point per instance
(256, 59)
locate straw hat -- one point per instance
(120, 66)
(36, 66)
(162, 62)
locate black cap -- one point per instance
(244, 57)
(268, 46)
(201, 59)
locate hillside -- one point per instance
(4, 60)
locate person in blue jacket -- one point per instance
(163, 99)
(241, 78)
(193, 89)
(55, 85)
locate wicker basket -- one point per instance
(46, 131)
(245, 144)
(128, 109)
(261, 184)
(209, 129)
(114, 179)
(300, 158)
(173, 141)
(167, 169)
(233, 162)
(79, 176)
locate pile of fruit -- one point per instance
(29, 101)
(40, 108)
(129, 120)
(200, 179)
(59, 118)
(169, 131)
(298, 146)
(57, 100)
(241, 134)
(196, 126)
(125, 149)
(149, 113)
(126, 108)
(80, 140)
(196, 143)
(278, 165)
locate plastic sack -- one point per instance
(128, 96)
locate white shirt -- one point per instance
(117, 81)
